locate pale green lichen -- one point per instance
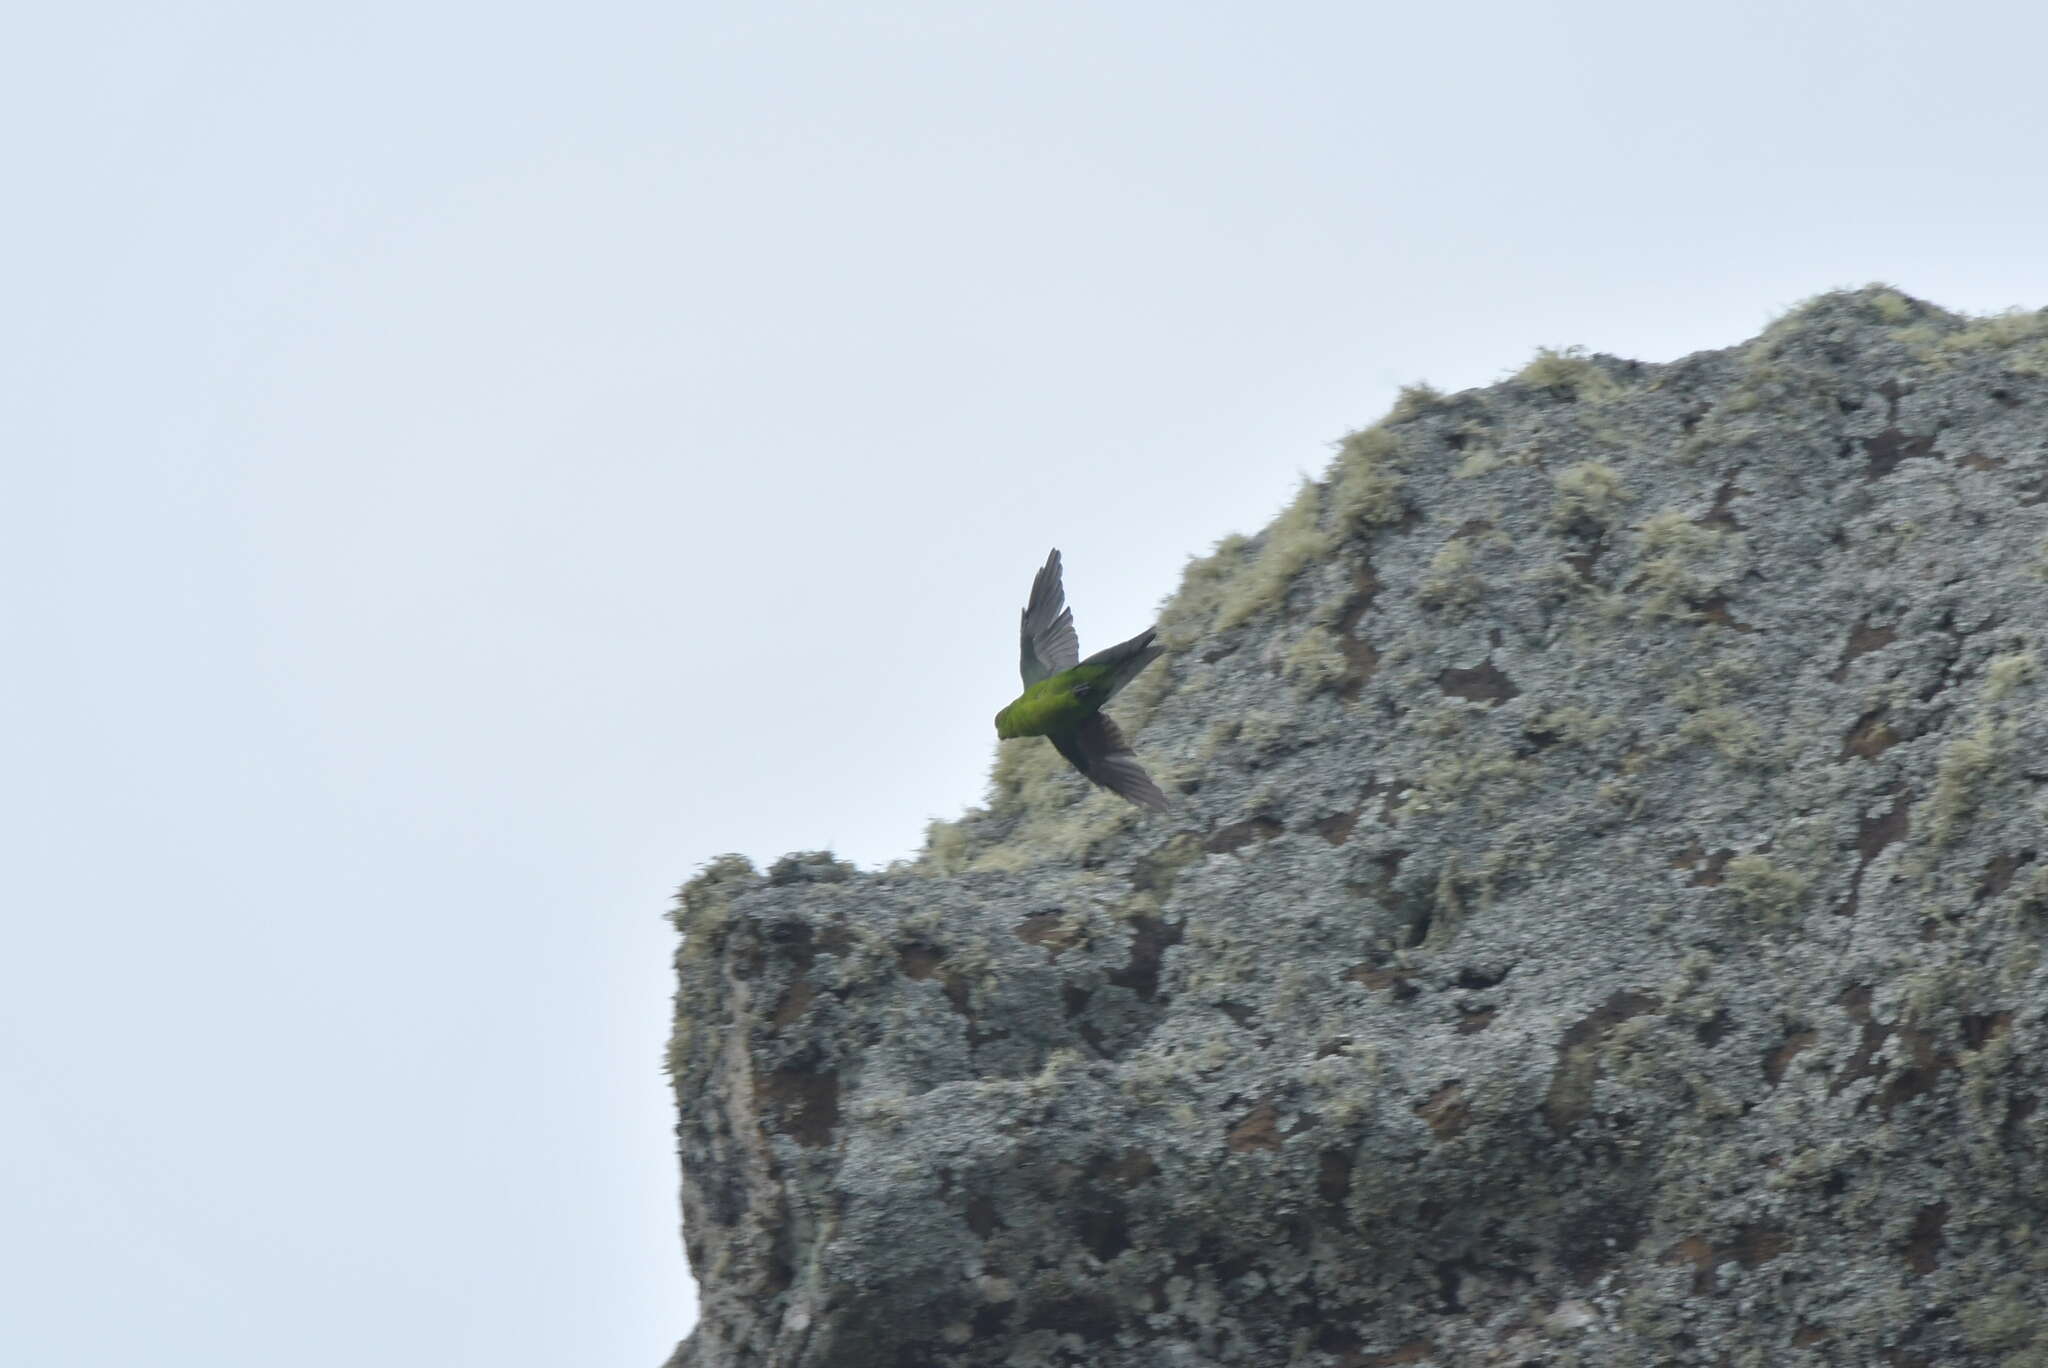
(1589, 490)
(2032, 900)
(1713, 683)
(1445, 720)
(2018, 967)
(1556, 581)
(1315, 661)
(2032, 363)
(1999, 331)
(1486, 774)
(1684, 565)
(1890, 306)
(1266, 732)
(810, 866)
(1365, 481)
(1451, 582)
(1740, 402)
(1186, 617)
(1568, 373)
(2009, 672)
(946, 846)
(1983, 1070)
(1153, 1076)
(1414, 401)
(2006, 1322)
(701, 903)
(700, 914)
(1875, 303)
(1674, 532)
(1570, 724)
(1479, 460)
(1733, 734)
(1966, 764)
(1295, 539)
(2022, 335)
(1447, 911)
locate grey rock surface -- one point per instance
(1600, 921)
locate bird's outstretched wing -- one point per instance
(1049, 643)
(1099, 751)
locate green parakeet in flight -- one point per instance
(1062, 699)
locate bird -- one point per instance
(1063, 695)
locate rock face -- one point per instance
(1600, 921)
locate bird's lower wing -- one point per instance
(1099, 751)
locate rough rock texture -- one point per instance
(1600, 921)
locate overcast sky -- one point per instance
(467, 465)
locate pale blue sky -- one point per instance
(470, 464)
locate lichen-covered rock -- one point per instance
(1600, 922)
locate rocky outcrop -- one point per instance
(1600, 921)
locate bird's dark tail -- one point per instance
(1126, 659)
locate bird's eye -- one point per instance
(1083, 690)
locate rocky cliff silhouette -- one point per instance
(1599, 921)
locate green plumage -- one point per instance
(1063, 695)
(1053, 705)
